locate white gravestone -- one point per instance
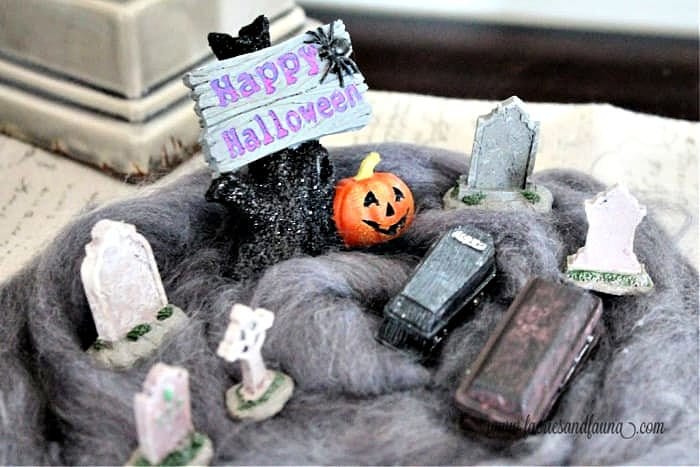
(607, 262)
(121, 279)
(263, 392)
(126, 296)
(162, 410)
(164, 420)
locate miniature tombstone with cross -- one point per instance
(263, 392)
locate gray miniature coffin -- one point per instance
(262, 102)
(502, 161)
(448, 279)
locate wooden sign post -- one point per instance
(259, 103)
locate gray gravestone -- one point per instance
(504, 149)
(503, 158)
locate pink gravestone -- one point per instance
(121, 279)
(162, 411)
(126, 296)
(263, 392)
(607, 262)
(163, 418)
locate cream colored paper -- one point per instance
(657, 158)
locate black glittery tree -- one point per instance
(283, 202)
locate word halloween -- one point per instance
(255, 104)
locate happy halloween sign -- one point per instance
(259, 103)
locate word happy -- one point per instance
(287, 65)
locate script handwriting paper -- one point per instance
(39, 193)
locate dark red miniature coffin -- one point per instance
(547, 331)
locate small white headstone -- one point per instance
(163, 417)
(121, 279)
(607, 262)
(612, 217)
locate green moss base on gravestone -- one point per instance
(474, 198)
(274, 386)
(165, 313)
(138, 330)
(141, 341)
(531, 196)
(192, 452)
(267, 405)
(626, 280)
(612, 282)
(535, 197)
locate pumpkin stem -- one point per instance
(367, 165)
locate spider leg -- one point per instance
(330, 32)
(315, 36)
(336, 70)
(339, 72)
(325, 73)
(324, 38)
(350, 62)
(348, 68)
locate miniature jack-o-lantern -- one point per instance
(371, 207)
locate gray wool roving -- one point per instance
(356, 401)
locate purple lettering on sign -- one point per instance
(338, 100)
(308, 112)
(248, 84)
(309, 54)
(289, 63)
(281, 131)
(268, 74)
(235, 148)
(252, 142)
(259, 103)
(267, 137)
(353, 94)
(324, 107)
(225, 92)
(293, 121)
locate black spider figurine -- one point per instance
(336, 50)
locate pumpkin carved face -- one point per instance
(371, 207)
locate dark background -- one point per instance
(649, 74)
